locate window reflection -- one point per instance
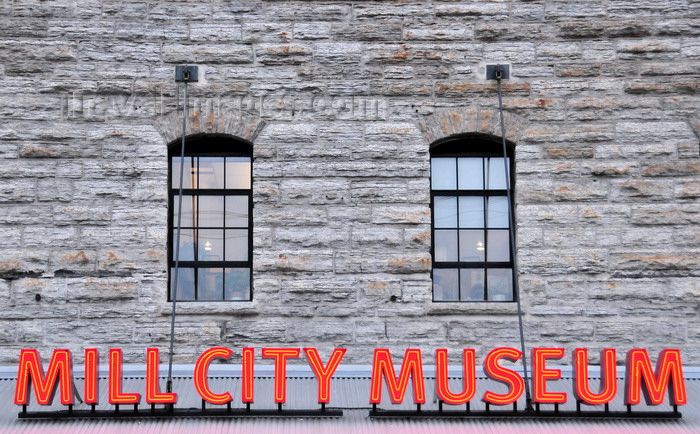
(445, 285)
(471, 223)
(214, 248)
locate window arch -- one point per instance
(216, 229)
(471, 248)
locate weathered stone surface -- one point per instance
(341, 103)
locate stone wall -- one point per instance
(341, 101)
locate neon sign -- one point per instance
(641, 378)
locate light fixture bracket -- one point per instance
(186, 74)
(497, 72)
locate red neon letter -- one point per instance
(468, 377)
(200, 375)
(324, 374)
(507, 376)
(116, 396)
(382, 367)
(30, 369)
(668, 366)
(153, 395)
(247, 380)
(541, 374)
(608, 377)
(280, 355)
(92, 362)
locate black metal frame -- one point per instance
(474, 146)
(169, 412)
(210, 146)
(514, 413)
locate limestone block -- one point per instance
(319, 292)
(567, 261)
(630, 263)
(438, 32)
(634, 189)
(478, 11)
(133, 260)
(471, 333)
(372, 237)
(285, 54)
(338, 53)
(314, 191)
(304, 12)
(330, 331)
(267, 215)
(671, 168)
(659, 8)
(246, 332)
(509, 31)
(520, 52)
(312, 31)
(288, 261)
(661, 333)
(418, 332)
(391, 12)
(215, 32)
(370, 332)
(179, 11)
(557, 51)
(621, 332)
(116, 236)
(372, 261)
(569, 10)
(527, 11)
(663, 214)
(367, 31)
(286, 238)
(687, 190)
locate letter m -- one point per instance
(382, 367)
(640, 378)
(31, 371)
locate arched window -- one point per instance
(471, 242)
(215, 255)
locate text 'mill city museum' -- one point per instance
(349, 215)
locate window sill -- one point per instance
(472, 308)
(240, 308)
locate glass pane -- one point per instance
(185, 283)
(472, 284)
(499, 243)
(445, 285)
(188, 203)
(471, 212)
(210, 283)
(237, 244)
(188, 179)
(471, 246)
(498, 212)
(471, 173)
(497, 175)
(236, 284)
(211, 211)
(443, 174)
(445, 212)
(500, 284)
(238, 172)
(236, 211)
(211, 172)
(446, 246)
(187, 237)
(210, 245)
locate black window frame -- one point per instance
(208, 146)
(473, 147)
